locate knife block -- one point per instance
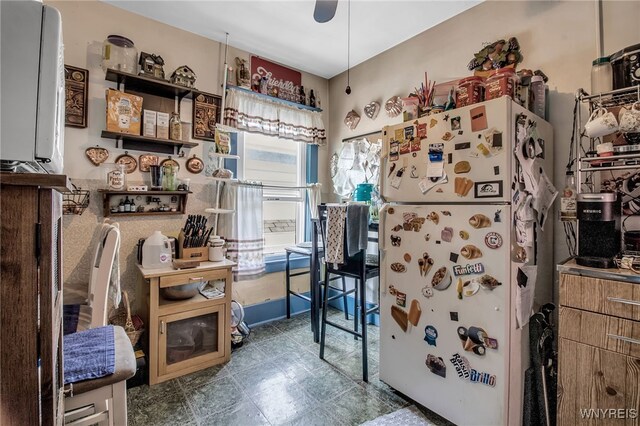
(191, 253)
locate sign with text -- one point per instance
(275, 73)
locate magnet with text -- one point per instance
(436, 365)
(478, 118)
(484, 378)
(461, 364)
(430, 335)
(401, 299)
(421, 130)
(441, 279)
(415, 311)
(394, 152)
(493, 240)
(476, 268)
(488, 189)
(462, 145)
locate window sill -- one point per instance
(277, 262)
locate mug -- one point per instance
(601, 123)
(630, 119)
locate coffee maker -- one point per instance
(599, 233)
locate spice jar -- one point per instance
(502, 83)
(175, 127)
(601, 76)
(470, 91)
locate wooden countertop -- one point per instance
(571, 267)
(166, 271)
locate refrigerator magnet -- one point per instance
(436, 365)
(470, 252)
(421, 130)
(399, 135)
(425, 264)
(433, 217)
(427, 291)
(461, 364)
(462, 186)
(428, 184)
(478, 118)
(392, 290)
(397, 228)
(459, 286)
(394, 152)
(398, 267)
(430, 335)
(462, 167)
(484, 378)
(447, 234)
(400, 317)
(407, 257)
(445, 212)
(432, 123)
(462, 145)
(479, 221)
(415, 312)
(441, 279)
(493, 240)
(414, 172)
(396, 240)
(488, 189)
(446, 117)
(488, 282)
(408, 133)
(496, 216)
(455, 123)
(453, 257)
(416, 145)
(396, 179)
(391, 169)
(427, 237)
(401, 299)
(405, 146)
(471, 269)
(453, 316)
(447, 136)
(464, 235)
(469, 288)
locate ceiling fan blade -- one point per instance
(325, 10)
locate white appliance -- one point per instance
(420, 233)
(32, 86)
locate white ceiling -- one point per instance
(285, 32)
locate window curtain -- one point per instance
(246, 111)
(243, 229)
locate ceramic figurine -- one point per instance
(243, 77)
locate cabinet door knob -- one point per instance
(625, 301)
(623, 338)
(196, 278)
(162, 327)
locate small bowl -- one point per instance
(180, 292)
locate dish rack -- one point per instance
(75, 202)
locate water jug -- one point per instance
(156, 251)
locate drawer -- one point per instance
(189, 277)
(617, 298)
(602, 331)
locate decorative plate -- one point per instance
(97, 155)
(146, 160)
(195, 165)
(130, 163)
(170, 162)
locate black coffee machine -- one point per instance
(599, 233)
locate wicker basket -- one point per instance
(122, 317)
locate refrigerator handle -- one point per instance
(383, 173)
(382, 237)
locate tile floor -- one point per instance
(277, 378)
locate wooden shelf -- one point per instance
(146, 143)
(181, 205)
(271, 98)
(153, 86)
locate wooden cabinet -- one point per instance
(191, 334)
(599, 349)
(31, 365)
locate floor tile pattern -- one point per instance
(276, 378)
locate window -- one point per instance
(277, 162)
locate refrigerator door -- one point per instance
(422, 353)
(476, 144)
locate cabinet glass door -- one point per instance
(191, 338)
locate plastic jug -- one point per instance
(156, 251)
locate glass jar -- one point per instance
(175, 127)
(500, 84)
(601, 76)
(169, 177)
(470, 91)
(116, 177)
(120, 54)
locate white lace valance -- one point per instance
(251, 113)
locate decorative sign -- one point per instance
(76, 91)
(488, 189)
(477, 268)
(206, 114)
(285, 79)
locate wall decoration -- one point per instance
(352, 119)
(151, 65)
(206, 114)
(97, 155)
(243, 76)
(170, 162)
(496, 55)
(184, 76)
(76, 91)
(280, 79)
(372, 109)
(195, 165)
(124, 112)
(130, 163)
(488, 189)
(393, 106)
(145, 161)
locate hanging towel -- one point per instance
(334, 252)
(357, 228)
(89, 354)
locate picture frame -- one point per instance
(487, 189)
(207, 110)
(76, 90)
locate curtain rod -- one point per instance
(257, 183)
(362, 136)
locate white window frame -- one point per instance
(270, 194)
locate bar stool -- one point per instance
(304, 251)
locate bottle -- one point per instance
(312, 99)
(537, 95)
(156, 251)
(568, 206)
(175, 127)
(127, 205)
(302, 96)
(601, 76)
(132, 206)
(121, 206)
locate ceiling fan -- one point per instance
(325, 10)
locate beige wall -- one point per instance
(85, 25)
(555, 36)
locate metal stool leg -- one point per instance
(323, 329)
(287, 280)
(363, 319)
(344, 299)
(356, 303)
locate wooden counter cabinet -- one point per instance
(191, 334)
(599, 348)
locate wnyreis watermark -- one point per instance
(609, 413)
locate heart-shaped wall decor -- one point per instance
(372, 109)
(97, 155)
(393, 106)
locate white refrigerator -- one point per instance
(465, 249)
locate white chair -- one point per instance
(103, 400)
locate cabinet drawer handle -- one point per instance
(625, 301)
(196, 279)
(624, 339)
(162, 329)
